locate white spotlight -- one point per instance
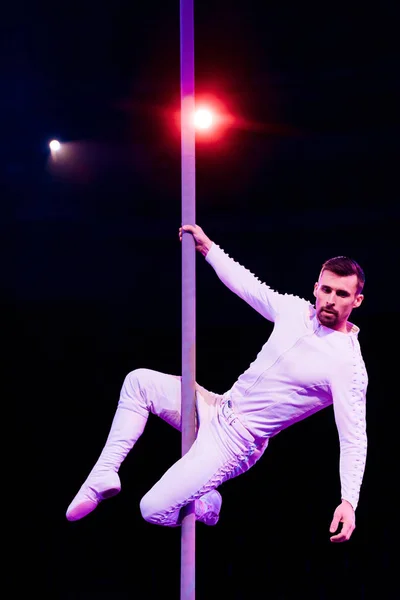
(203, 119)
(55, 145)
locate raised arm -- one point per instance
(237, 278)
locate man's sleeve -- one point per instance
(349, 403)
(246, 285)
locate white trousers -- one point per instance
(223, 448)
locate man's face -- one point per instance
(336, 297)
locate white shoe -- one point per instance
(96, 488)
(207, 508)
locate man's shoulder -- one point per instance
(294, 308)
(297, 301)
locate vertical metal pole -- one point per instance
(188, 165)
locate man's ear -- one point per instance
(315, 288)
(358, 300)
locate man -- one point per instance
(311, 360)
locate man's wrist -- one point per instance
(206, 248)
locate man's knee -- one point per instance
(157, 514)
(138, 377)
(148, 510)
(133, 393)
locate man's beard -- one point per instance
(329, 319)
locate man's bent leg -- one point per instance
(143, 391)
(222, 448)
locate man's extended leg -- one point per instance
(143, 391)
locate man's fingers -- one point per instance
(190, 228)
(345, 534)
(334, 525)
(187, 228)
(337, 538)
(347, 530)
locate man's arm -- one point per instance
(349, 404)
(237, 278)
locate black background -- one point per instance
(95, 272)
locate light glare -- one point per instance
(203, 119)
(55, 145)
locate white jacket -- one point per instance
(301, 369)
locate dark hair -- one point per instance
(343, 266)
